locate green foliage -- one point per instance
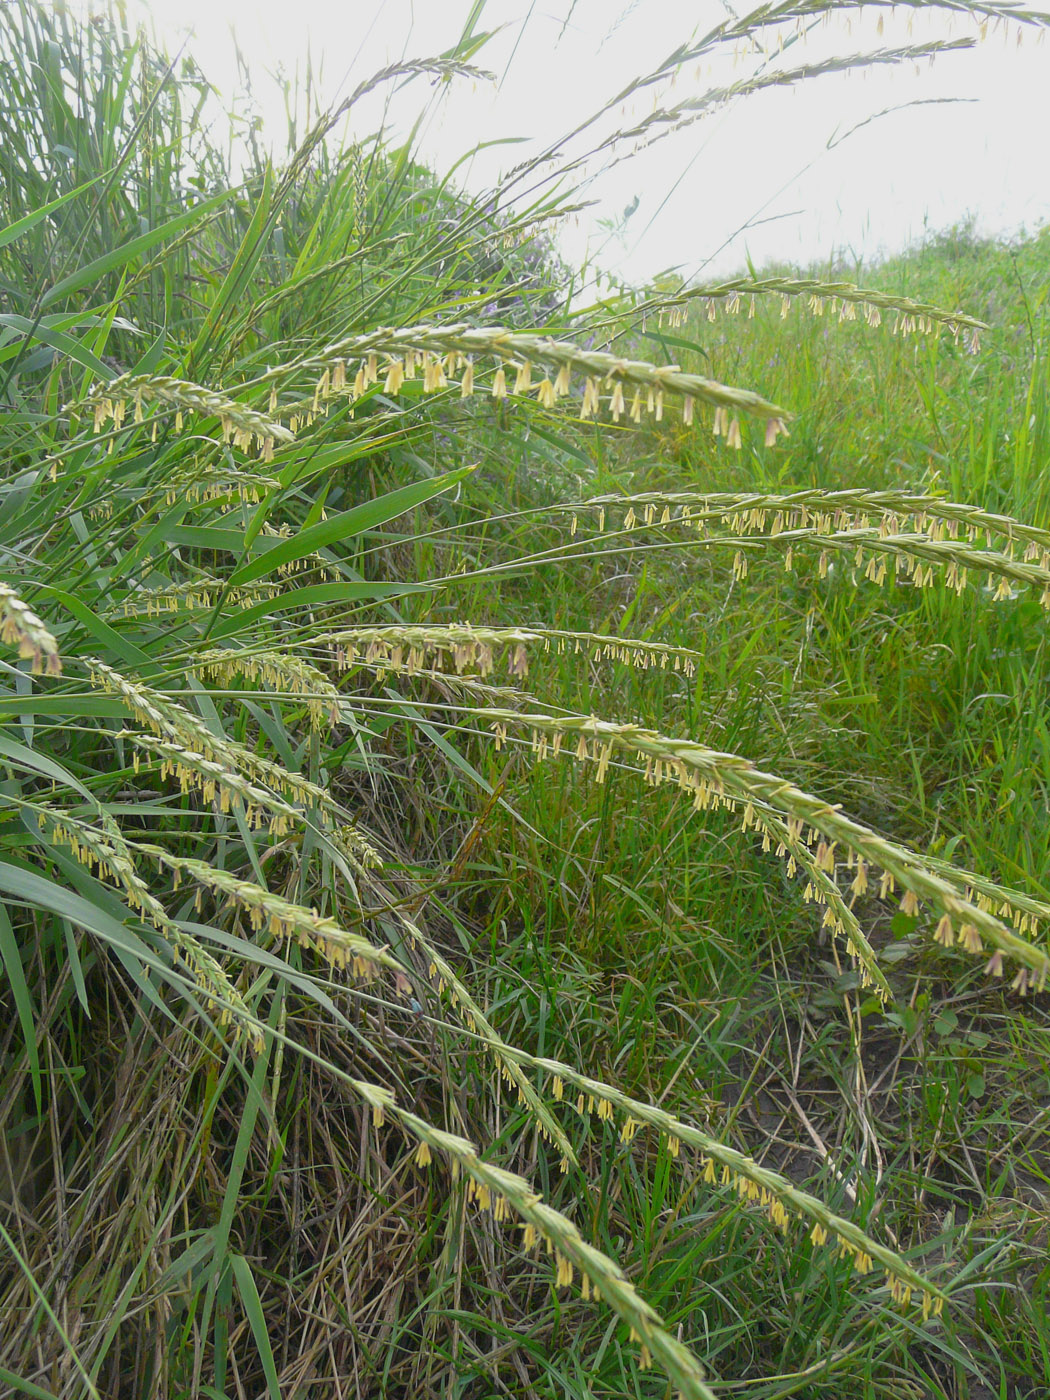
(353, 952)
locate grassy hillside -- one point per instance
(522, 831)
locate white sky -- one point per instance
(764, 167)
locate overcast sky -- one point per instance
(776, 176)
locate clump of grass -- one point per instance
(243, 855)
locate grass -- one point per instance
(924, 1111)
(398, 1004)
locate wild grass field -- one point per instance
(523, 825)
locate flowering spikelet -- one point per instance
(448, 982)
(168, 719)
(194, 593)
(523, 350)
(268, 912)
(912, 534)
(823, 890)
(312, 563)
(239, 424)
(774, 1195)
(355, 846)
(215, 483)
(844, 298)
(216, 783)
(107, 854)
(290, 674)
(20, 626)
(397, 648)
(171, 598)
(507, 1195)
(720, 780)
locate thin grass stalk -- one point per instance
(669, 121)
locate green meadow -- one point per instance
(523, 817)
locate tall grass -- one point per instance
(424, 754)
